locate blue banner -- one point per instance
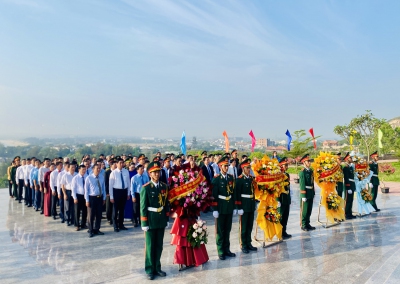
(183, 143)
(289, 139)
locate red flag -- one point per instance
(226, 141)
(312, 134)
(253, 140)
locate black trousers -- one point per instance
(109, 208)
(10, 188)
(80, 206)
(20, 188)
(28, 194)
(15, 189)
(69, 207)
(120, 196)
(136, 209)
(94, 212)
(54, 201)
(284, 210)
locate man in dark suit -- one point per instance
(207, 170)
(163, 173)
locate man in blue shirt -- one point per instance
(137, 181)
(35, 184)
(95, 196)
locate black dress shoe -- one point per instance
(250, 247)
(221, 257)
(305, 229)
(99, 233)
(377, 210)
(150, 276)
(310, 227)
(84, 227)
(116, 230)
(54, 218)
(230, 254)
(286, 235)
(123, 228)
(161, 273)
(29, 205)
(245, 250)
(349, 217)
(63, 221)
(90, 235)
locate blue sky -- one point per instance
(155, 68)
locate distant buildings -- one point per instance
(265, 142)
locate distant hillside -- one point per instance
(395, 122)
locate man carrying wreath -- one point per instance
(154, 211)
(246, 204)
(307, 193)
(224, 207)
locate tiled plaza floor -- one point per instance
(37, 249)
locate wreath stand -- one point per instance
(325, 224)
(262, 242)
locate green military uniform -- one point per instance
(307, 190)
(154, 210)
(339, 184)
(245, 200)
(348, 173)
(373, 166)
(284, 210)
(223, 188)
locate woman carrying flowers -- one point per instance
(189, 195)
(362, 177)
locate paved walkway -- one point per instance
(37, 249)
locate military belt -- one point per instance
(351, 179)
(153, 209)
(309, 187)
(375, 175)
(247, 195)
(224, 197)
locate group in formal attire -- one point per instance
(135, 188)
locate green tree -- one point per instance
(364, 129)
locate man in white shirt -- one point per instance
(42, 171)
(78, 193)
(27, 169)
(119, 189)
(232, 170)
(30, 186)
(66, 184)
(60, 191)
(53, 186)
(19, 179)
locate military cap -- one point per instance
(223, 161)
(284, 161)
(347, 156)
(306, 157)
(374, 154)
(245, 163)
(154, 166)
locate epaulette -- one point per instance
(302, 169)
(146, 184)
(217, 175)
(229, 175)
(240, 176)
(163, 183)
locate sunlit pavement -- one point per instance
(37, 249)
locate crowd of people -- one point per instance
(133, 187)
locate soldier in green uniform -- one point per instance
(339, 184)
(307, 193)
(223, 207)
(154, 210)
(350, 186)
(285, 200)
(373, 166)
(246, 204)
